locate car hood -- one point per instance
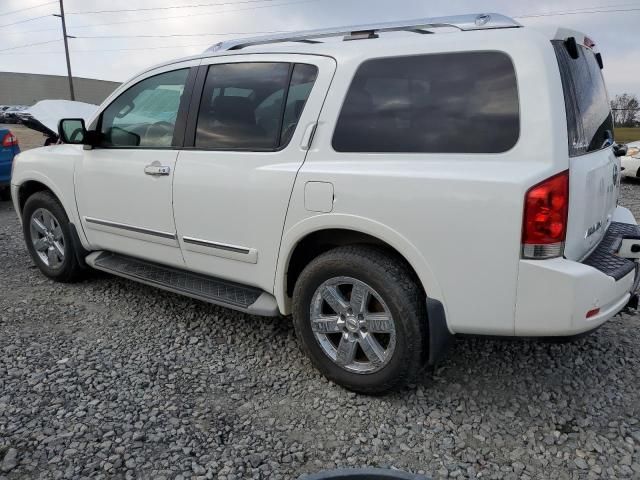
(47, 113)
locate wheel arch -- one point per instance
(314, 235)
(28, 188)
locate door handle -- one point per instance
(157, 170)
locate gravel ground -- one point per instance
(110, 379)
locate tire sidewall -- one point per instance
(47, 201)
(407, 354)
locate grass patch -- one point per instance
(626, 135)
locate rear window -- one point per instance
(464, 102)
(589, 119)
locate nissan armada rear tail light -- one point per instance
(546, 208)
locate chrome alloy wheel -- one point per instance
(353, 325)
(47, 238)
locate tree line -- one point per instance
(626, 110)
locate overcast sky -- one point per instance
(616, 33)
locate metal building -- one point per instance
(29, 88)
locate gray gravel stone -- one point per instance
(10, 460)
(158, 386)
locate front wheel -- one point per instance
(47, 233)
(360, 316)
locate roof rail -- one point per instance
(483, 21)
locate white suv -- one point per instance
(389, 187)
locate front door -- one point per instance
(255, 117)
(124, 185)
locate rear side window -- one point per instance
(252, 106)
(441, 103)
(589, 119)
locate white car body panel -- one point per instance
(410, 188)
(247, 192)
(52, 166)
(115, 196)
(140, 201)
(593, 197)
(455, 218)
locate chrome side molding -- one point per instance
(219, 246)
(223, 250)
(130, 228)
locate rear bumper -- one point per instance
(555, 295)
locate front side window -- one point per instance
(440, 103)
(145, 115)
(252, 106)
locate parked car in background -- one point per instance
(14, 113)
(631, 161)
(389, 191)
(45, 115)
(3, 109)
(8, 150)
(23, 115)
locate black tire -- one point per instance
(69, 269)
(5, 194)
(395, 284)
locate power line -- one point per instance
(558, 14)
(142, 48)
(197, 5)
(151, 19)
(29, 45)
(30, 31)
(172, 17)
(177, 35)
(51, 52)
(25, 21)
(593, 7)
(28, 8)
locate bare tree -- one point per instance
(626, 110)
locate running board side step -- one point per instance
(201, 287)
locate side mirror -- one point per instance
(72, 130)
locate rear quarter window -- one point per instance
(464, 102)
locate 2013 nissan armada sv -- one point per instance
(386, 186)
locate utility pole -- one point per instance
(66, 49)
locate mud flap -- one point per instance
(440, 338)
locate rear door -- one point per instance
(247, 136)
(594, 177)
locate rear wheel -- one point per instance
(48, 236)
(360, 317)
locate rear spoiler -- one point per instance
(573, 39)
